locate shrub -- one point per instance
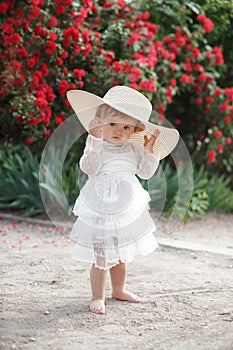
(19, 186)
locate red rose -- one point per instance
(58, 120)
(228, 140)
(173, 66)
(220, 148)
(44, 68)
(198, 101)
(18, 13)
(201, 137)
(117, 67)
(133, 78)
(59, 62)
(75, 34)
(52, 22)
(19, 81)
(40, 31)
(86, 36)
(213, 121)
(172, 82)
(66, 43)
(67, 33)
(217, 92)
(79, 73)
(223, 107)
(209, 99)
(201, 18)
(63, 87)
(67, 2)
(227, 119)
(16, 66)
(108, 4)
(3, 7)
(184, 79)
(41, 103)
(212, 156)
(65, 71)
(15, 38)
(50, 96)
(60, 10)
(22, 53)
(218, 55)
(50, 48)
(34, 121)
(19, 119)
(218, 134)
(28, 141)
(196, 52)
(229, 93)
(31, 62)
(34, 12)
(53, 36)
(148, 85)
(202, 77)
(47, 133)
(64, 54)
(208, 25)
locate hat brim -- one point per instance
(85, 105)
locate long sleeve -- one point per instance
(147, 164)
(90, 162)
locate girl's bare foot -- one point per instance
(126, 296)
(97, 306)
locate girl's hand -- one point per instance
(95, 128)
(149, 142)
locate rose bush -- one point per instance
(49, 47)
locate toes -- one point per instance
(127, 296)
(97, 307)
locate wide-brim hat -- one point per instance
(130, 102)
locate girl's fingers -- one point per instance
(149, 142)
(156, 133)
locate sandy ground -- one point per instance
(186, 288)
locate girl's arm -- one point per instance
(90, 162)
(148, 161)
(147, 164)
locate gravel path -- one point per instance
(187, 292)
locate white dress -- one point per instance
(113, 222)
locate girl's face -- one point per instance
(117, 129)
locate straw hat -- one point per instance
(130, 102)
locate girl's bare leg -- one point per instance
(98, 278)
(118, 278)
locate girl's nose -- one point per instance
(118, 130)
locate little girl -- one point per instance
(113, 222)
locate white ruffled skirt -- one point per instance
(113, 222)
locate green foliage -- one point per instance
(220, 194)
(19, 181)
(19, 186)
(210, 193)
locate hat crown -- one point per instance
(129, 101)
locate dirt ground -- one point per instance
(187, 292)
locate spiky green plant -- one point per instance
(19, 187)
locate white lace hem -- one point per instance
(107, 258)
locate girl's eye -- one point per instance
(112, 124)
(126, 127)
